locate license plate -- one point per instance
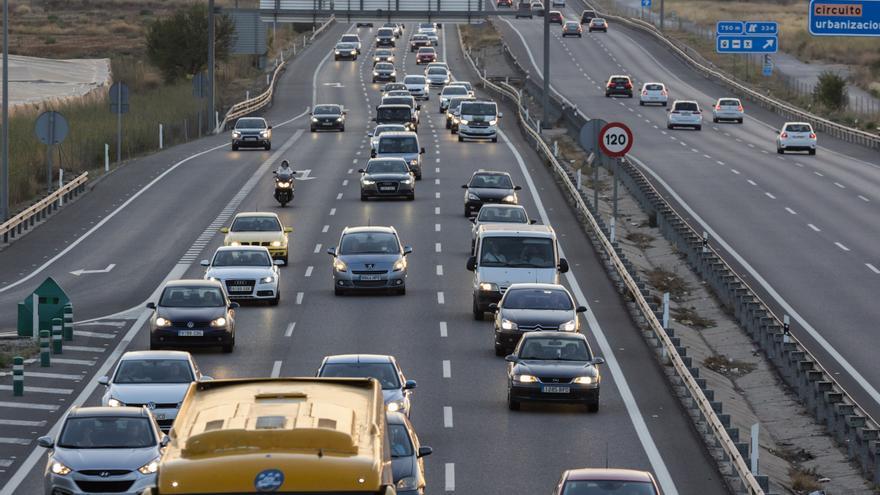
(549, 389)
(387, 188)
(250, 138)
(190, 333)
(159, 417)
(371, 277)
(240, 288)
(327, 123)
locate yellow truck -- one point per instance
(283, 435)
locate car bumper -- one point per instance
(728, 115)
(251, 143)
(385, 77)
(603, 29)
(420, 94)
(798, 145)
(443, 82)
(261, 291)
(210, 337)
(533, 392)
(616, 91)
(654, 99)
(130, 484)
(344, 56)
(375, 191)
(278, 253)
(685, 121)
(385, 42)
(352, 281)
(478, 132)
(486, 297)
(328, 125)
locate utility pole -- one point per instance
(661, 15)
(545, 98)
(4, 189)
(211, 114)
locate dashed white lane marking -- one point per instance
(769, 195)
(750, 181)
(345, 183)
(719, 162)
(309, 271)
(27, 405)
(707, 156)
(56, 376)
(449, 474)
(866, 200)
(790, 211)
(299, 297)
(818, 173)
(695, 150)
(325, 229)
(838, 184)
(873, 268)
(438, 247)
(318, 248)
(440, 270)
(436, 227)
(841, 246)
(82, 348)
(441, 299)
(437, 170)
(437, 195)
(735, 171)
(332, 211)
(14, 441)
(436, 182)
(817, 229)
(447, 369)
(78, 362)
(42, 390)
(447, 416)
(801, 165)
(444, 330)
(96, 335)
(276, 369)
(339, 196)
(290, 328)
(436, 210)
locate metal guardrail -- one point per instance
(22, 222)
(716, 427)
(251, 105)
(840, 131)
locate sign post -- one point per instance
(119, 106)
(51, 128)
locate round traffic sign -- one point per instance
(615, 139)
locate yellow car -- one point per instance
(258, 229)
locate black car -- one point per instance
(587, 16)
(533, 308)
(194, 313)
(385, 37)
(331, 117)
(393, 98)
(407, 464)
(252, 132)
(553, 367)
(345, 51)
(383, 55)
(384, 71)
(387, 177)
(397, 114)
(488, 187)
(619, 85)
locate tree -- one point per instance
(178, 45)
(831, 91)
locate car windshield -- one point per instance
(400, 443)
(384, 66)
(345, 46)
(249, 123)
(550, 349)
(571, 25)
(414, 80)
(478, 108)
(551, 300)
(350, 38)
(241, 257)
(369, 243)
(454, 90)
(607, 487)
(383, 53)
(729, 103)
(491, 181)
(393, 114)
(256, 224)
(654, 87)
(393, 86)
(327, 110)
(387, 167)
(798, 128)
(619, 80)
(437, 71)
(383, 372)
(517, 252)
(502, 215)
(107, 432)
(386, 32)
(398, 144)
(398, 100)
(386, 128)
(153, 371)
(423, 51)
(686, 106)
(192, 297)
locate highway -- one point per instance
(459, 406)
(802, 230)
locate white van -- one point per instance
(511, 254)
(401, 145)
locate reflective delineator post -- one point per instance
(56, 336)
(67, 325)
(44, 349)
(18, 376)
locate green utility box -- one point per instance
(51, 302)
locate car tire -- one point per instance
(580, 36)
(664, 104)
(342, 128)
(285, 258)
(593, 407)
(453, 129)
(780, 151)
(338, 291)
(448, 125)
(495, 139)
(499, 351)
(513, 405)
(669, 126)
(411, 197)
(641, 103)
(714, 120)
(740, 121)
(276, 300)
(227, 348)
(336, 59)
(268, 146)
(401, 291)
(699, 127)
(812, 151)
(374, 80)
(460, 139)
(478, 313)
(234, 147)
(311, 129)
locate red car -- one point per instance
(555, 17)
(426, 55)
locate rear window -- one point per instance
(798, 128)
(729, 103)
(414, 80)
(454, 90)
(393, 114)
(687, 106)
(619, 79)
(654, 87)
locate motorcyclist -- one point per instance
(284, 171)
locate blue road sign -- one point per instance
(768, 70)
(844, 17)
(746, 44)
(646, 3)
(763, 28)
(729, 27)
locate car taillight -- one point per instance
(812, 135)
(644, 92)
(740, 108)
(611, 85)
(629, 85)
(784, 135)
(663, 92)
(717, 107)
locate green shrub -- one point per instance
(830, 91)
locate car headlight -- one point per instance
(115, 403)
(406, 181)
(236, 134)
(340, 265)
(462, 121)
(487, 286)
(267, 280)
(314, 119)
(275, 244)
(569, 326)
(235, 243)
(473, 197)
(162, 322)
(354, 52)
(524, 378)
(493, 122)
(399, 265)
(59, 469)
(586, 380)
(395, 406)
(218, 322)
(150, 467)
(367, 182)
(338, 119)
(414, 163)
(510, 198)
(408, 483)
(264, 133)
(508, 325)
(375, 73)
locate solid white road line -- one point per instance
(276, 369)
(449, 475)
(21, 422)
(444, 329)
(80, 362)
(14, 441)
(447, 416)
(873, 268)
(290, 328)
(95, 335)
(447, 369)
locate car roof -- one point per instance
(255, 214)
(555, 334)
(151, 355)
(685, 101)
(193, 282)
(242, 248)
(359, 358)
(797, 123)
(386, 159)
(528, 230)
(391, 134)
(653, 82)
(608, 474)
(537, 286)
(98, 411)
(499, 206)
(490, 172)
(394, 105)
(368, 228)
(619, 75)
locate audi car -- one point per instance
(572, 28)
(193, 313)
(396, 389)
(328, 117)
(384, 71)
(345, 51)
(369, 259)
(387, 177)
(530, 308)
(383, 55)
(250, 264)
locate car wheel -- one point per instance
(593, 407)
(342, 128)
(494, 139)
(664, 104)
(453, 129)
(411, 197)
(268, 146)
(374, 80)
(448, 125)
(780, 151)
(401, 291)
(699, 127)
(714, 120)
(234, 147)
(227, 348)
(338, 291)
(478, 313)
(607, 95)
(580, 36)
(513, 405)
(499, 351)
(276, 300)
(311, 129)
(285, 258)
(739, 121)
(363, 197)
(812, 151)
(336, 59)
(460, 139)
(669, 126)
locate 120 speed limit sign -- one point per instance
(615, 139)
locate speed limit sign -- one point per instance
(615, 139)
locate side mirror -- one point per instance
(511, 358)
(473, 219)
(517, 188)
(500, 114)
(151, 305)
(425, 450)
(370, 133)
(493, 307)
(581, 309)
(407, 250)
(361, 171)
(372, 153)
(374, 120)
(409, 385)
(563, 265)
(464, 186)
(165, 441)
(532, 221)
(270, 127)
(278, 262)
(104, 380)
(234, 305)
(422, 151)
(45, 442)
(598, 360)
(288, 230)
(205, 263)
(472, 263)
(331, 251)
(224, 230)
(419, 107)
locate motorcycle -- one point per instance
(284, 186)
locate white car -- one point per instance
(417, 86)
(354, 39)
(155, 379)
(437, 76)
(653, 92)
(431, 33)
(796, 136)
(467, 85)
(375, 133)
(728, 109)
(246, 272)
(450, 91)
(684, 113)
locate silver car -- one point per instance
(103, 450)
(369, 258)
(437, 76)
(417, 86)
(728, 109)
(375, 133)
(449, 92)
(396, 389)
(247, 272)
(155, 379)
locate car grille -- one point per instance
(185, 324)
(530, 328)
(380, 185)
(232, 287)
(369, 272)
(479, 124)
(165, 424)
(255, 243)
(502, 288)
(104, 486)
(370, 283)
(100, 472)
(553, 380)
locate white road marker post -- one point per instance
(106, 157)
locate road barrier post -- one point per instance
(44, 349)
(786, 329)
(106, 157)
(67, 325)
(35, 316)
(161, 140)
(17, 376)
(56, 336)
(579, 180)
(596, 187)
(666, 310)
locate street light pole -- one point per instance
(4, 188)
(211, 116)
(661, 15)
(545, 97)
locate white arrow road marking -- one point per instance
(83, 271)
(305, 174)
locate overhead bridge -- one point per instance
(375, 11)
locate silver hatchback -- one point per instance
(369, 258)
